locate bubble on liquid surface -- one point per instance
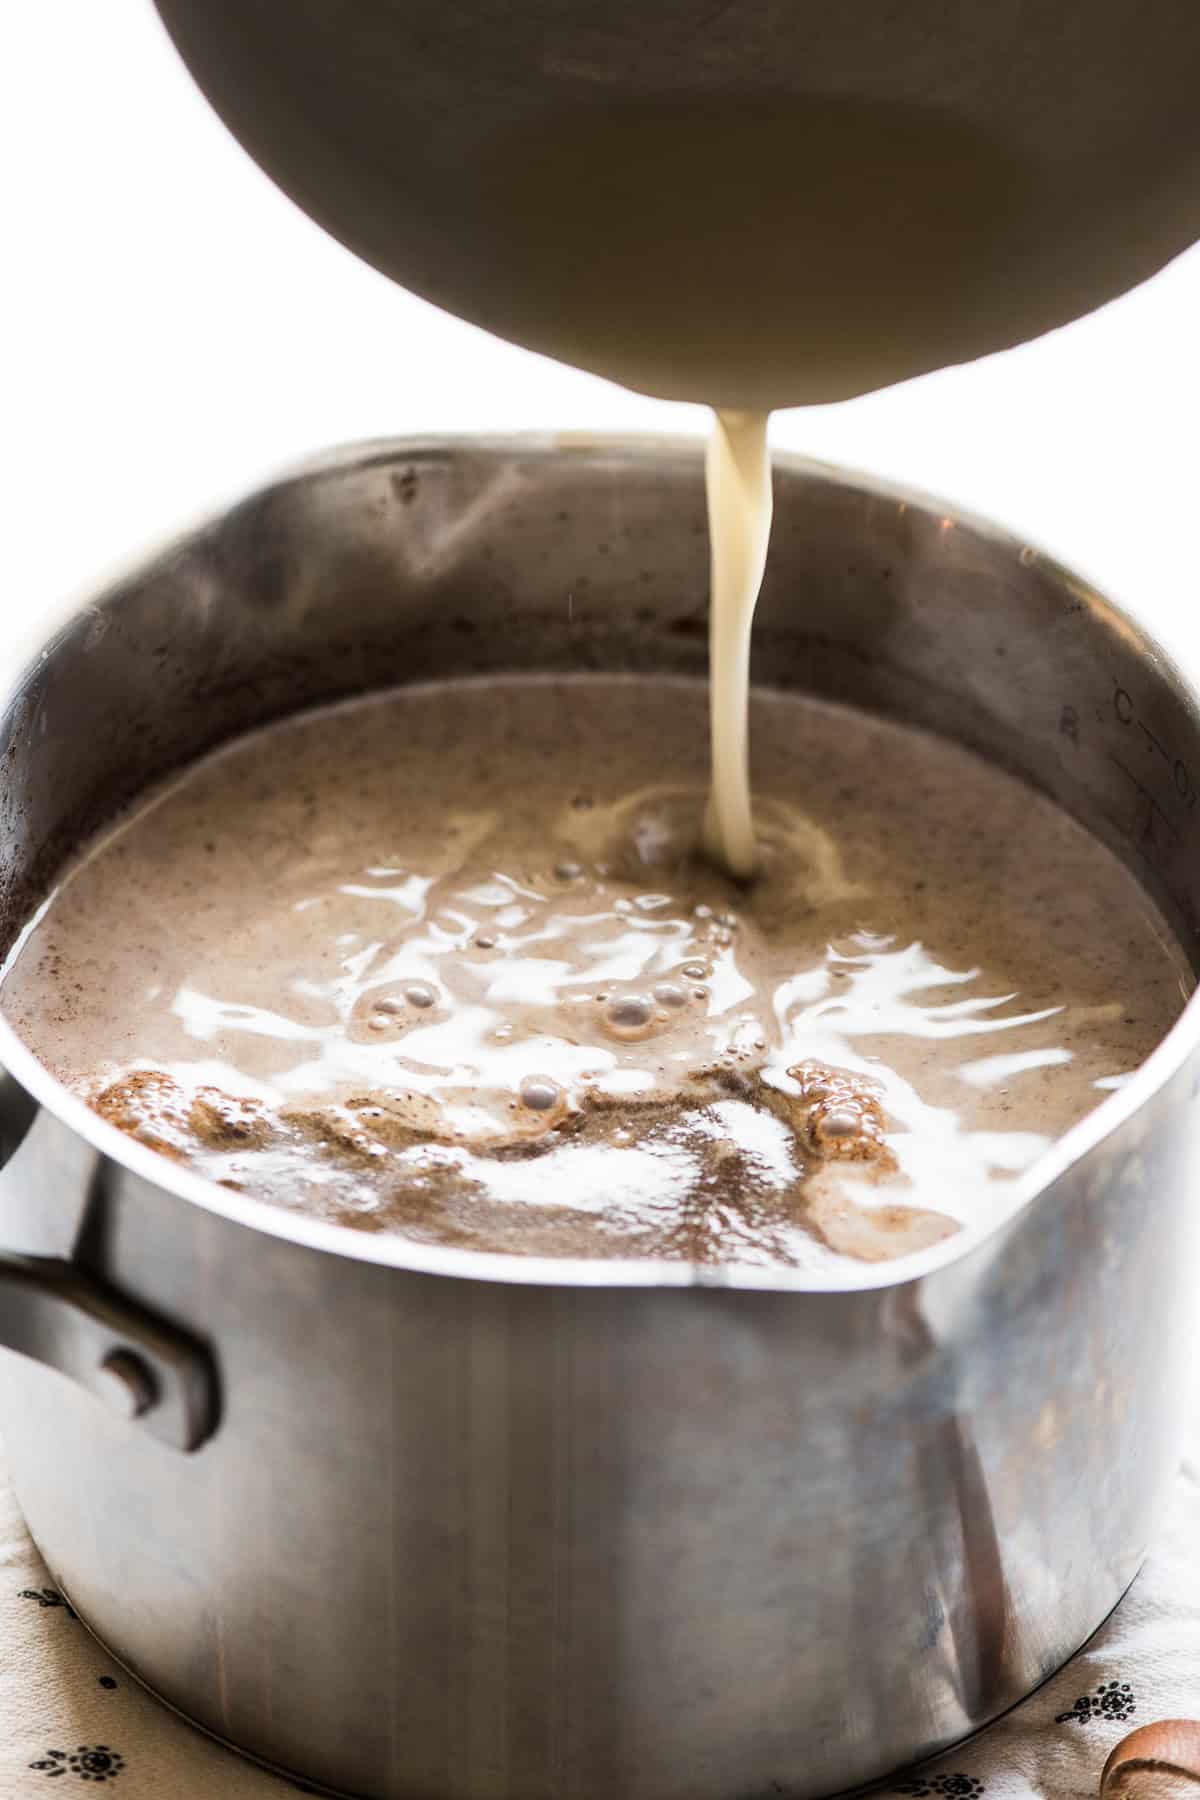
(841, 1123)
(568, 871)
(629, 1015)
(695, 971)
(420, 993)
(667, 994)
(539, 1093)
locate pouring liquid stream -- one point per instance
(738, 482)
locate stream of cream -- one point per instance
(738, 481)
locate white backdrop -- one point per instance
(174, 329)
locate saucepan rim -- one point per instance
(480, 1266)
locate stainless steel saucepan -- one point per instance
(421, 1524)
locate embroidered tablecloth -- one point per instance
(69, 1715)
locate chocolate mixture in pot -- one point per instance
(444, 964)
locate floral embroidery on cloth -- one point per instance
(951, 1787)
(1111, 1700)
(91, 1762)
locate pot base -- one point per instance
(308, 1786)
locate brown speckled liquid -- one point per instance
(448, 963)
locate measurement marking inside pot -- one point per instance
(1154, 810)
(1128, 716)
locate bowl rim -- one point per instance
(410, 1256)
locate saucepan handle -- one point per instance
(57, 1311)
(143, 1370)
